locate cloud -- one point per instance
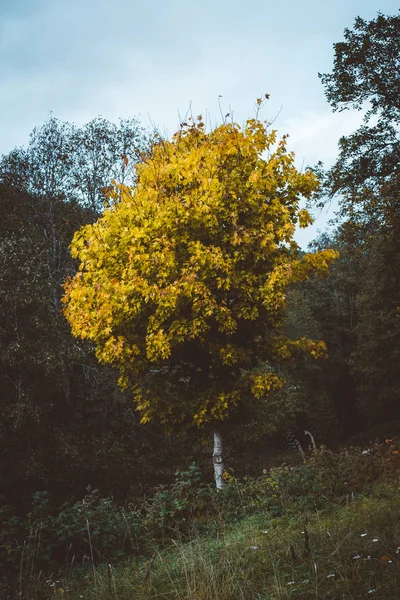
(81, 58)
(314, 136)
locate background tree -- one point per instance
(105, 152)
(182, 281)
(366, 177)
(64, 422)
(327, 309)
(366, 76)
(74, 163)
(375, 358)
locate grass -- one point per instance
(343, 552)
(326, 529)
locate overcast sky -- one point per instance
(78, 59)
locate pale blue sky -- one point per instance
(82, 58)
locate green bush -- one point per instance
(95, 530)
(350, 470)
(92, 530)
(302, 485)
(178, 507)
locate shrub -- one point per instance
(93, 529)
(179, 506)
(349, 470)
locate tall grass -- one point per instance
(341, 552)
(328, 529)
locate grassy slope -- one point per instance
(353, 553)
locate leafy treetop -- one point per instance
(366, 68)
(182, 281)
(366, 74)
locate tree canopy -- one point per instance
(366, 76)
(366, 177)
(182, 281)
(76, 163)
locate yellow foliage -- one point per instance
(182, 281)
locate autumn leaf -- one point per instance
(183, 280)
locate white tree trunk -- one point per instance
(218, 461)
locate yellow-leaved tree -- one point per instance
(182, 280)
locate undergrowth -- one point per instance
(326, 529)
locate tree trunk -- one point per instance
(218, 460)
